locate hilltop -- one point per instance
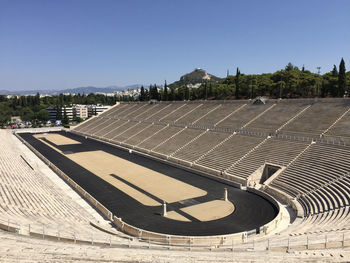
(195, 78)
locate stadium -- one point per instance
(191, 180)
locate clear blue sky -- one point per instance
(48, 44)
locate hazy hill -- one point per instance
(81, 90)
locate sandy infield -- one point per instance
(168, 189)
(211, 210)
(176, 216)
(104, 164)
(164, 187)
(57, 139)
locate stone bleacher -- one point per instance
(184, 109)
(195, 149)
(202, 134)
(231, 138)
(340, 130)
(319, 180)
(243, 116)
(273, 151)
(227, 153)
(160, 137)
(28, 196)
(276, 117)
(221, 137)
(172, 144)
(140, 137)
(317, 119)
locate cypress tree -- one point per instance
(142, 95)
(238, 73)
(341, 79)
(156, 94)
(165, 92)
(151, 93)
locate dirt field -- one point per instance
(108, 167)
(165, 188)
(176, 216)
(208, 211)
(57, 139)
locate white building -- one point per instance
(82, 111)
(53, 113)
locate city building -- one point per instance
(53, 112)
(96, 109)
(82, 111)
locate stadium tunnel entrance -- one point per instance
(264, 175)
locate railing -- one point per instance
(37, 130)
(336, 239)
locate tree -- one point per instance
(210, 92)
(58, 112)
(335, 71)
(341, 79)
(181, 93)
(251, 88)
(172, 93)
(238, 73)
(146, 94)
(142, 95)
(153, 92)
(27, 114)
(74, 114)
(290, 67)
(43, 115)
(187, 93)
(330, 82)
(37, 99)
(65, 119)
(165, 92)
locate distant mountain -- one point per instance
(90, 89)
(194, 78)
(81, 90)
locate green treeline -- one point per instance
(291, 82)
(33, 108)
